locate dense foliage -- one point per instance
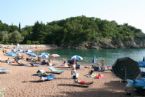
(71, 32)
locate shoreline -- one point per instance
(31, 47)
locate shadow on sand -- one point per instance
(74, 85)
(111, 89)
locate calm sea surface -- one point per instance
(109, 55)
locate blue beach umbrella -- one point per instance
(44, 55)
(11, 54)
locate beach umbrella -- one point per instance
(11, 54)
(126, 68)
(44, 55)
(76, 57)
(55, 55)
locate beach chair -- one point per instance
(55, 70)
(34, 64)
(3, 70)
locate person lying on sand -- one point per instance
(65, 64)
(44, 76)
(82, 82)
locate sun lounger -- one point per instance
(55, 70)
(4, 70)
(34, 64)
(12, 54)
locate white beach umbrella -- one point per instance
(76, 57)
(55, 55)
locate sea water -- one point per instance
(108, 55)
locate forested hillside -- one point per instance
(75, 32)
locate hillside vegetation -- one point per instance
(75, 32)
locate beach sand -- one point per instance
(20, 82)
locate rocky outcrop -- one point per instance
(112, 44)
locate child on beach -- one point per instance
(74, 74)
(8, 61)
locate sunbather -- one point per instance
(44, 76)
(82, 82)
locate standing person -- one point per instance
(73, 64)
(8, 60)
(74, 71)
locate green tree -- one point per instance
(15, 37)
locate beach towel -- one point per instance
(48, 77)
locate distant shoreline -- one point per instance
(31, 47)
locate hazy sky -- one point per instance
(27, 12)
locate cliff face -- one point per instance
(109, 44)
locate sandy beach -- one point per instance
(20, 82)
